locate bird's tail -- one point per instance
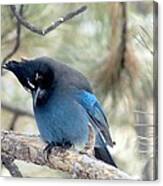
(102, 153)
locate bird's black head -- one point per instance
(37, 76)
(42, 75)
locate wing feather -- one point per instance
(96, 115)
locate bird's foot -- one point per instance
(47, 150)
(65, 145)
(59, 148)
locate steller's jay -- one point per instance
(64, 105)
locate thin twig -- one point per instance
(14, 119)
(9, 164)
(16, 110)
(146, 32)
(17, 43)
(142, 41)
(48, 29)
(21, 21)
(144, 125)
(143, 112)
(123, 44)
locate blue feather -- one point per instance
(96, 114)
(62, 119)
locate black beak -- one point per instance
(20, 70)
(10, 65)
(5, 66)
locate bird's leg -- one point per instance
(67, 145)
(89, 147)
(47, 150)
(64, 145)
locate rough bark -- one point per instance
(8, 162)
(30, 149)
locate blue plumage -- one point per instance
(95, 113)
(62, 119)
(64, 105)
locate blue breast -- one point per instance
(62, 118)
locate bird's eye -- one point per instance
(38, 77)
(43, 78)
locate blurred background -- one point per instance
(112, 44)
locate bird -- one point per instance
(64, 104)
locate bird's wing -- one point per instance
(96, 115)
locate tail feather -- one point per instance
(101, 150)
(103, 154)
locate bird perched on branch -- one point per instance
(64, 105)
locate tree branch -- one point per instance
(13, 121)
(22, 21)
(30, 149)
(17, 43)
(48, 29)
(8, 162)
(16, 113)
(15, 110)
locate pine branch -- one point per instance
(30, 149)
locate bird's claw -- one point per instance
(59, 147)
(47, 150)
